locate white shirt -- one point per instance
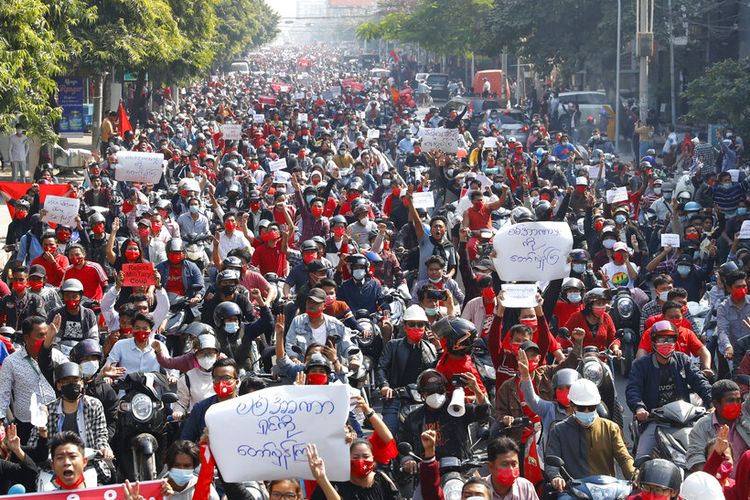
(126, 354)
(20, 377)
(201, 387)
(229, 243)
(618, 275)
(669, 143)
(18, 149)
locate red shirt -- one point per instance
(450, 366)
(684, 323)
(564, 310)
(174, 281)
(687, 341)
(56, 270)
(479, 219)
(270, 260)
(92, 276)
(605, 336)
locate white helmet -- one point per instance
(584, 392)
(700, 485)
(415, 313)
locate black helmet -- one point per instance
(84, 349)
(196, 329)
(431, 381)
(68, 369)
(458, 332)
(226, 310)
(318, 359)
(232, 262)
(727, 268)
(95, 218)
(579, 255)
(661, 473)
(228, 275)
(543, 210)
(573, 283)
(308, 246)
(593, 295)
(521, 214)
(357, 259)
(338, 219)
(175, 245)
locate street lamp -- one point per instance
(617, 79)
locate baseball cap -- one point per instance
(317, 295)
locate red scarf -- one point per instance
(75, 485)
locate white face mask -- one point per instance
(435, 401)
(663, 296)
(207, 362)
(579, 268)
(364, 221)
(89, 368)
(608, 244)
(358, 274)
(574, 297)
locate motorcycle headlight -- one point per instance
(593, 371)
(625, 308)
(141, 407)
(452, 489)
(194, 255)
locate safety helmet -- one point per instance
(196, 329)
(579, 255)
(661, 473)
(84, 349)
(357, 259)
(693, 206)
(663, 328)
(318, 359)
(458, 332)
(431, 381)
(68, 369)
(700, 486)
(573, 283)
(208, 341)
(728, 268)
(226, 310)
(96, 218)
(543, 210)
(338, 219)
(415, 313)
(593, 295)
(584, 392)
(521, 214)
(228, 275)
(565, 376)
(72, 285)
(232, 263)
(175, 245)
(308, 246)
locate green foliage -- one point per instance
(721, 95)
(30, 57)
(244, 24)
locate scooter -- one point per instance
(593, 368)
(590, 487)
(627, 316)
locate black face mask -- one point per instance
(72, 391)
(228, 289)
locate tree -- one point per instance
(30, 57)
(721, 96)
(244, 24)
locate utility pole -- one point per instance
(672, 100)
(645, 39)
(617, 79)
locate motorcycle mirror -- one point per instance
(553, 460)
(169, 397)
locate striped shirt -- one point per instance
(728, 199)
(20, 377)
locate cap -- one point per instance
(37, 270)
(529, 345)
(316, 265)
(317, 295)
(620, 245)
(144, 222)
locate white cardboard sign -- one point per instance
(136, 166)
(373, 133)
(61, 210)
(735, 173)
(745, 230)
(262, 435)
(533, 251)
(490, 143)
(259, 118)
(519, 295)
(423, 199)
(277, 165)
(617, 195)
(231, 131)
(443, 139)
(671, 240)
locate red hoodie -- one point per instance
(741, 487)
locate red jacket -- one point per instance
(604, 338)
(503, 359)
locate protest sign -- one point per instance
(277, 165)
(484, 180)
(594, 171)
(423, 200)
(519, 295)
(259, 118)
(149, 490)
(443, 139)
(262, 435)
(490, 143)
(335, 90)
(617, 195)
(735, 173)
(671, 240)
(136, 166)
(38, 411)
(298, 96)
(231, 131)
(140, 274)
(745, 230)
(531, 251)
(373, 133)
(61, 210)
(326, 95)
(16, 190)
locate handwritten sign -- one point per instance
(373, 133)
(423, 200)
(582, 181)
(136, 166)
(533, 251)
(745, 230)
(262, 435)
(519, 295)
(735, 174)
(150, 490)
(231, 131)
(335, 90)
(490, 143)
(594, 171)
(281, 177)
(141, 274)
(670, 240)
(617, 195)
(61, 210)
(443, 139)
(277, 165)
(259, 118)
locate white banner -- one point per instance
(259, 118)
(277, 165)
(373, 133)
(444, 139)
(136, 166)
(423, 199)
(61, 210)
(617, 195)
(670, 239)
(261, 436)
(231, 131)
(533, 251)
(519, 295)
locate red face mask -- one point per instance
(330, 299)
(144, 232)
(488, 294)
(530, 322)
(317, 379)
(50, 249)
(478, 205)
(665, 349)
(76, 261)
(19, 286)
(599, 310)
(223, 388)
(37, 345)
(353, 196)
(141, 335)
(562, 397)
(175, 258)
(63, 237)
(254, 206)
(316, 211)
(132, 254)
(156, 227)
(36, 285)
(230, 226)
(414, 334)
(309, 257)
(97, 228)
(599, 225)
(21, 214)
(618, 258)
(126, 332)
(647, 495)
(731, 411)
(361, 468)
(739, 293)
(338, 232)
(72, 304)
(514, 348)
(315, 314)
(582, 189)
(507, 477)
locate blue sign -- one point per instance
(70, 98)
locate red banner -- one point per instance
(353, 84)
(141, 274)
(16, 190)
(270, 100)
(150, 490)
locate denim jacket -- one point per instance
(191, 275)
(300, 336)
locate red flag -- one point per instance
(394, 55)
(122, 116)
(206, 475)
(16, 190)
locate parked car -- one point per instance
(438, 82)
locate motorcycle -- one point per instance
(599, 371)
(180, 315)
(626, 316)
(197, 249)
(142, 419)
(674, 422)
(590, 487)
(480, 355)
(370, 342)
(277, 307)
(396, 300)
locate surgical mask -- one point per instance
(663, 295)
(620, 219)
(89, 368)
(683, 270)
(359, 274)
(574, 298)
(363, 221)
(579, 268)
(431, 311)
(657, 190)
(181, 477)
(507, 477)
(586, 419)
(193, 209)
(386, 182)
(207, 362)
(608, 244)
(741, 210)
(436, 280)
(435, 401)
(665, 349)
(726, 185)
(667, 195)
(232, 327)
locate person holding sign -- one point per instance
(77, 322)
(435, 243)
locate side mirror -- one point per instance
(554, 461)
(169, 397)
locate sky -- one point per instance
(283, 7)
